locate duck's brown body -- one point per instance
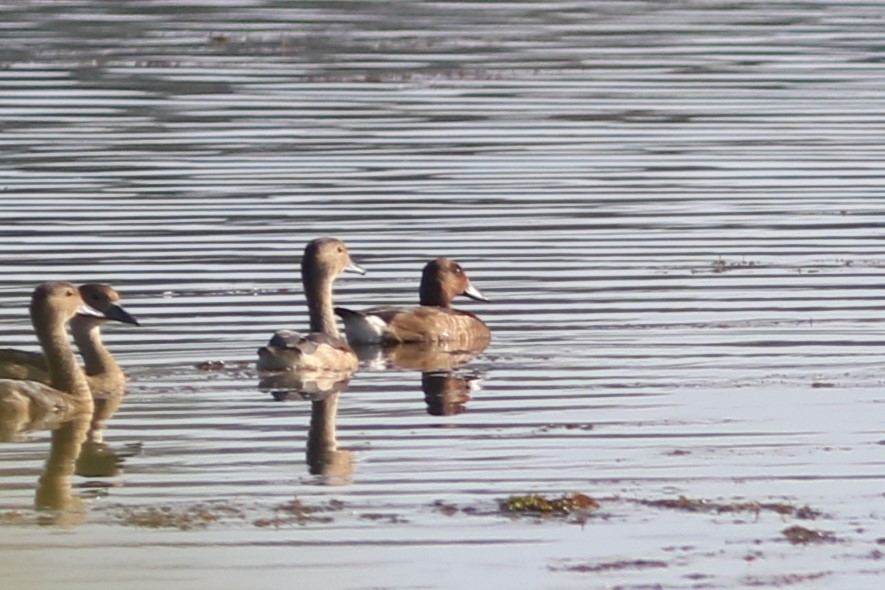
(434, 320)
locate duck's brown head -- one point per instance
(443, 279)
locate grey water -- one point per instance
(675, 207)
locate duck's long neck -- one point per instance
(87, 335)
(318, 290)
(64, 372)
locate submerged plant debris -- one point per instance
(610, 566)
(783, 580)
(701, 505)
(799, 535)
(196, 516)
(11, 517)
(384, 517)
(296, 512)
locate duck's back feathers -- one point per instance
(23, 364)
(288, 350)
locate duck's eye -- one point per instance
(458, 270)
(69, 293)
(340, 249)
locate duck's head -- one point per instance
(105, 300)
(327, 257)
(55, 301)
(443, 279)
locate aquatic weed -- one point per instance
(196, 516)
(538, 505)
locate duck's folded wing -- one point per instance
(288, 350)
(23, 364)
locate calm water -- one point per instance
(676, 207)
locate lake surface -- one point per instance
(675, 207)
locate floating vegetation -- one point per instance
(610, 566)
(222, 366)
(11, 517)
(295, 512)
(538, 505)
(449, 509)
(784, 579)
(573, 505)
(210, 366)
(699, 505)
(197, 516)
(720, 265)
(386, 518)
(799, 535)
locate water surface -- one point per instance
(674, 206)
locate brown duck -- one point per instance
(434, 320)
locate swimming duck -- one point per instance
(324, 259)
(104, 375)
(434, 320)
(52, 306)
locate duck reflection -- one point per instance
(303, 385)
(447, 394)
(54, 489)
(97, 458)
(322, 388)
(324, 458)
(76, 447)
(447, 388)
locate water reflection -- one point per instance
(324, 458)
(54, 490)
(15, 423)
(76, 447)
(97, 458)
(447, 393)
(446, 389)
(303, 385)
(322, 388)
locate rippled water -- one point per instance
(676, 208)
